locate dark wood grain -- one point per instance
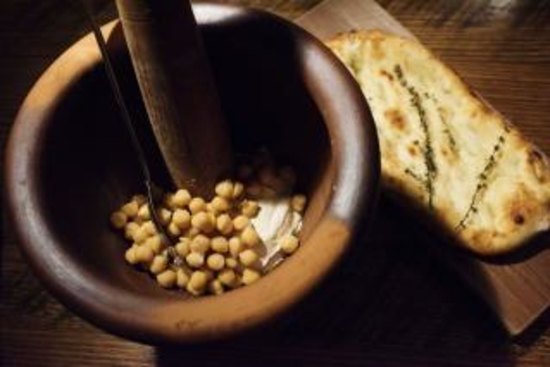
(389, 304)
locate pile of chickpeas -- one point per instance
(213, 245)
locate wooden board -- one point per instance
(519, 292)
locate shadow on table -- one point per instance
(389, 303)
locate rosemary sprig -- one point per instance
(447, 131)
(450, 137)
(415, 176)
(446, 128)
(429, 160)
(483, 178)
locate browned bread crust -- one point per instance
(444, 150)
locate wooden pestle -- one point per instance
(178, 90)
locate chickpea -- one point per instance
(249, 237)
(167, 279)
(224, 224)
(144, 254)
(183, 247)
(197, 283)
(130, 255)
(219, 244)
(235, 246)
(238, 190)
(228, 277)
(203, 222)
(268, 177)
(164, 215)
(224, 189)
(197, 205)
(298, 203)
(212, 218)
(181, 218)
(250, 208)
(139, 199)
(141, 235)
(215, 262)
(250, 276)
(254, 189)
(200, 244)
(266, 174)
(195, 259)
(118, 220)
(130, 230)
(130, 209)
(155, 243)
(182, 278)
(168, 201)
(210, 209)
(143, 212)
(158, 264)
(289, 244)
(220, 204)
(181, 198)
(149, 228)
(240, 222)
(173, 230)
(248, 257)
(215, 287)
(231, 263)
(192, 232)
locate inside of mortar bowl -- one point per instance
(80, 166)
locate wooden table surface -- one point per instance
(389, 304)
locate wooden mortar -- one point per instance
(280, 88)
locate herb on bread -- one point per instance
(429, 160)
(482, 184)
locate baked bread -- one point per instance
(445, 150)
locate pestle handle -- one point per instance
(178, 89)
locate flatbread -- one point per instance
(444, 150)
